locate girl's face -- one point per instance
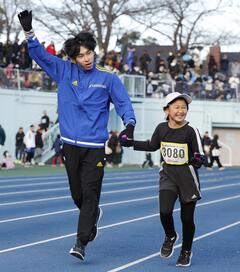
(177, 111)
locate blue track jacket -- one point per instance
(83, 98)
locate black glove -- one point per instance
(126, 136)
(198, 160)
(25, 19)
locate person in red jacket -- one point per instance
(51, 48)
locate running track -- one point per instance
(38, 222)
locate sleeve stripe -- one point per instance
(200, 148)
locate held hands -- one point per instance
(198, 160)
(25, 19)
(126, 136)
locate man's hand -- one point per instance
(126, 136)
(25, 19)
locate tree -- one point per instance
(149, 40)
(129, 38)
(8, 20)
(180, 21)
(99, 16)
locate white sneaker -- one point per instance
(221, 168)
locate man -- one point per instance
(85, 91)
(2, 136)
(19, 144)
(45, 121)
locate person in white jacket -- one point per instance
(29, 141)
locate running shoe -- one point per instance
(167, 248)
(94, 233)
(184, 258)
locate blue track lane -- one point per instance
(38, 222)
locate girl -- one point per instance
(7, 162)
(181, 155)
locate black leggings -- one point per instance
(167, 200)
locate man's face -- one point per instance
(85, 58)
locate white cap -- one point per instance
(172, 96)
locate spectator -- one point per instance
(224, 64)
(1, 55)
(45, 121)
(38, 146)
(51, 48)
(22, 59)
(206, 143)
(130, 58)
(2, 136)
(212, 66)
(29, 141)
(148, 160)
(170, 58)
(118, 155)
(7, 162)
(234, 83)
(112, 144)
(215, 153)
(108, 151)
(57, 146)
(144, 61)
(158, 62)
(15, 51)
(19, 145)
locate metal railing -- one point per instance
(26, 79)
(135, 84)
(48, 140)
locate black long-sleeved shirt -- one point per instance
(177, 146)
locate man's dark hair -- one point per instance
(72, 45)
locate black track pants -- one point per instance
(85, 169)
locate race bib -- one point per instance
(174, 153)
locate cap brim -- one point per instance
(186, 97)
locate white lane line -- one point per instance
(112, 225)
(140, 180)
(117, 191)
(35, 200)
(104, 205)
(117, 176)
(31, 184)
(67, 188)
(105, 192)
(156, 254)
(34, 191)
(75, 209)
(106, 177)
(32, 179)
(60, 182)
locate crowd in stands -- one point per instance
(182, 72)
(30, 145)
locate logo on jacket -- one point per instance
(99, 164)
(75, 83)
(97, 86)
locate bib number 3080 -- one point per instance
(174, 153)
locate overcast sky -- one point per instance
(228, 20)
